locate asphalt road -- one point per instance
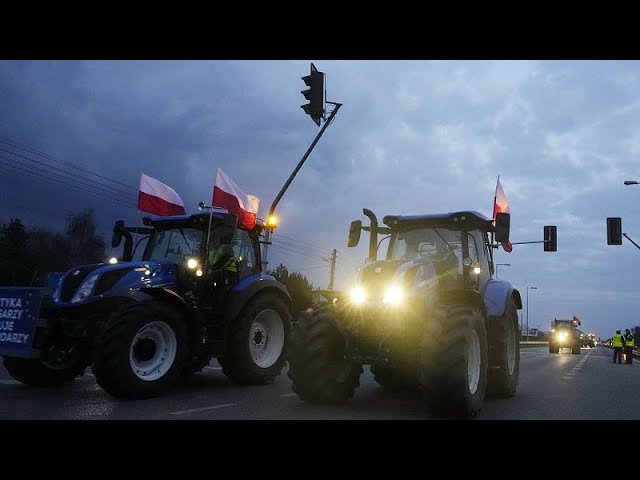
(552, 387)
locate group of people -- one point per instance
(623, 343)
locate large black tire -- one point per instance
(553, 349)
(453, 377)
(142, 351)
(317, 366)
(256, 350)
(504, 353)
(31, 371)
(575, 350)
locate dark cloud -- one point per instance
(412, 137)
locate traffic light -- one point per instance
(550, 238)
(614, 231)
(315, 95)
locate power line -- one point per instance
(87, 183)
(61, 181)
(50, 157)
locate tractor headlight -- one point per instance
(358, 295)
(394, 295)
(192, 263)
(85, 289)
(562, 335)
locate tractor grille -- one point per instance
(71, 282)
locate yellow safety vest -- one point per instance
(616, 340)
(629, 341)
(230, 265)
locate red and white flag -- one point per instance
(159, 199)
(226, 194)
(501, 205)
(576, 320)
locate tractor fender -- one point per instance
(462, 296)
(496, 295)
(248, 288)
(163, 295)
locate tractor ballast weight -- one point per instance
(144, 325)
(429, 317)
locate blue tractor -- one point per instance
(198, 293)
(429, 317)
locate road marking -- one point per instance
(213, 368)
(569, 375)
(203, 409)
(289, 395)
(89, 375)
(9, 382)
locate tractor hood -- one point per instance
(376, 278)
(103, 279)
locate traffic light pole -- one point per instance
(627, 236)
(284, 188)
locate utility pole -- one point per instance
(333, 268)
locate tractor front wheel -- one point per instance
(31, 371)
(142, 351)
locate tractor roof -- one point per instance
(467, 219)
(200, 218)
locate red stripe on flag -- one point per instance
(158, 206)
(230, 202)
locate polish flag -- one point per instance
(226, 194)
(501, 205)
(159, 199)
(576, 320)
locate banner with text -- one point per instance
(19, 310)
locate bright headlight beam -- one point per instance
(358, 295)
(394, 295)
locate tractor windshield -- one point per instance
(426, 243)
(176, 245)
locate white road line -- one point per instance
(9, 382)
(569, 375)
(203, 409)
(213, 368)
(289, 395)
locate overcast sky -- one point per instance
(413, 137)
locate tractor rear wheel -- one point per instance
(453, 377)
(256, 349)
(504, 348)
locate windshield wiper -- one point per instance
(185, 240)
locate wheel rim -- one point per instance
(473, 362)
(266, 338)
(511, 346)
(153, 351)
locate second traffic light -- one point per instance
(614, 231)
(315, 95)
(550, 238)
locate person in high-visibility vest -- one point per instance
(617, 343)
(223, 265)
(629, 343)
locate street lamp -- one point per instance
(529, 288)
(505, 264)
(630, 182)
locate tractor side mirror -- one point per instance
(117, 233)
(503, 225)
(354, 233)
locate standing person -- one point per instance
(629, 343)
(616, 342)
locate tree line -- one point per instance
(27, 254)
